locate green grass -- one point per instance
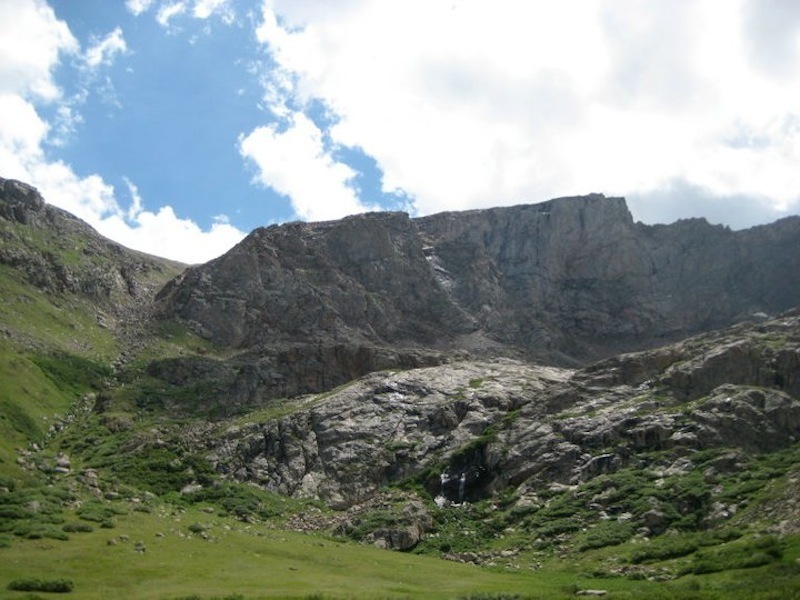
(38, 388)
(29, 400)
(249, 561)
(188, 553)
(66, 323)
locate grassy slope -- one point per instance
(259, 562)
(245, 560)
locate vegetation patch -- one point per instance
(41, 585)
(609, 533)
(71, 373)
(77, 527)
(736, 555)
(241, 500)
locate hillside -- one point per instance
(452, 387)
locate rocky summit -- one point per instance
(504, 387)
(563, 282)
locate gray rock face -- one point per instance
(578, 276)
(363, 279)
(381, 429)
(565, 281)
(466, 430)
(59, 253)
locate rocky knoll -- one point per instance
(565, 282)
(60, 254)
(469, 430)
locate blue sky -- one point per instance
(177, 126)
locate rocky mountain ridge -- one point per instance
(60, 254)
(568, 280)
(310, 306)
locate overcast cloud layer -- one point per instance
(686, 107)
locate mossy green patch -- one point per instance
(66, 323)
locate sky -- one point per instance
(175, 127)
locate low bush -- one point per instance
(611, 533)
(197, 528)
(736, 555)
(489, 596)
(241, 501)
(41, 585)
(663, 549)
(78, 528)
(99, 512)
(36, 531)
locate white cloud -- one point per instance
(294, 163)
(203, 9)
(772, 36)
(22, 132)
(25, 78)
(681, 199)
(137, 7)
(163, 233)
(167, 12)
(105, 49)
(31, 40)
(466, 103)
(160, 232)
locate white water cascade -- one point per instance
(441, 500)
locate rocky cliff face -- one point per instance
(564, 282)
(578, 276)
(60, 254)
(364, 279)
(468, 430)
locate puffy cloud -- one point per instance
(772, 36)
(167, 12)
(31, 42)
(294, 162)
(104, 50)
(163, 233)
(203, 9)
(679, 199)
(137, 7)
(22, 132)
(466, 104)
(160, 232)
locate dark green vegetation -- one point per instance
(106, 492)
(58, 586)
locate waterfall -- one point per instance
(441, 500)
(461, 485)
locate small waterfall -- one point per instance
(446, 494)
(441, 500)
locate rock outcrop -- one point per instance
(467, 430)
(60, 254)
(310, 306)
(566, 281)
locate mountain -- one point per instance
(73, 303)
(526, 387)
(565, 282)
